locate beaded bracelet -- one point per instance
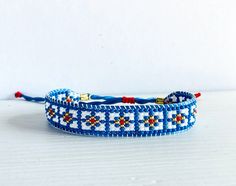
(118, 116)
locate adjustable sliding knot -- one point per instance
(128, 100)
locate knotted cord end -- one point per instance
(18, 94)
(197, 95)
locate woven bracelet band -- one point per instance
(118, 116)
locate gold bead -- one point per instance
(84, 97)
(160, 100)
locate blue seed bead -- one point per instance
(145, 117)
(117, 125)
(126, 118)
(127, 125)
(122, 129)
(156, 124)
(88, 124)
(116, 118)
(146, 125)
(151, 128)
(156, 117)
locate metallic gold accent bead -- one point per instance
(84, 97)
(160, 100)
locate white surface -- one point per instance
(32, 153)
(117, 46)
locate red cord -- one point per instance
(128, 99)
(18, 94)
(197, 95)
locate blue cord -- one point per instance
(29, 98)
(107, 99)
(113, 100)
(35, 99)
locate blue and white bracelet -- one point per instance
(95, 115)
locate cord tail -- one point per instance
(29, 98)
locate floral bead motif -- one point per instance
(51, 112)
(91, 120)
(151, 120)
(68, 117)
(177, 118)
(121, 121)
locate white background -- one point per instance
(117, 47)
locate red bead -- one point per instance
(51, 112)
(18, 94)
(92, 120)
(178, 118)
(67, 117)
(122, 121)
(68, 100)
(151, 121)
